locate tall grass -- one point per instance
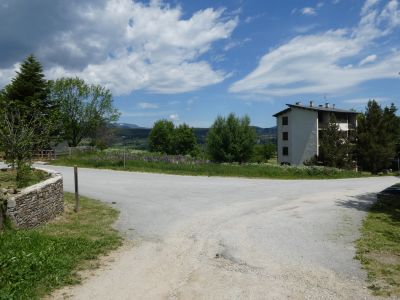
(102, 161)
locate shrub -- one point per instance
(262, 153)
(160, 138)
(231, 139)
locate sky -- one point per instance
(190, 61)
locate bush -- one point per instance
(160, 138)
(184, 140)
(262, 153)
(231, 139)
(165, 138)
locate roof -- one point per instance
(316, 108)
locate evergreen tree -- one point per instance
(28, 91)
(27, 98)
(335, 148)
(377, 134)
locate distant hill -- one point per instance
(134, 135)
(125, 125)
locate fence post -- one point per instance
(124, 157)
(76, 189)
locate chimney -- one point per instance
(320, 105)
(298, 103)
(326, 105)
(311, 103)
(333, 106)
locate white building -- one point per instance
(299, 127)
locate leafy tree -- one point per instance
(377, 133)
(18, 140)
(231, 139)
(83, 108)
(184, 140)
(335, 148)
(161, 137)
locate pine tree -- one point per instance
(28, 91)
(27, 96)
(335, 148)
(377, 134)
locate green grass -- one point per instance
(7, 178)
(35, 262)
(378, 249)
(98, 160)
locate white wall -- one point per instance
(304, 135)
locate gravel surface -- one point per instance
(229, 238)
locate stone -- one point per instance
(37, 204)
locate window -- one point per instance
(285, 150)
(285, 120)
(285, 135)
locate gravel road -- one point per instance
(229, 238)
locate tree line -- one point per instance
(230, 139)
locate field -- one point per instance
(172, 165)
(35, 262)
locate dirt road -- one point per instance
(227, 238)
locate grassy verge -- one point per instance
(7, 178)
(97, 160)
(34, 262)
(379, 246)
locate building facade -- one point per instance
(299, 127)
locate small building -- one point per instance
(299, 127)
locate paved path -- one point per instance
(229, 238)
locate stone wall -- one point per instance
(38, 203)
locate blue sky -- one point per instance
(190, 61)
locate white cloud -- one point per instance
(313, 64)
(365, 100)
(147, 105)
(368, 59)
(145, 114)
(308, 11)
(235, 43)
(304, 28)
(6, 74)
(174, 117)
(127, 46)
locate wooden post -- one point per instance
(124, 157)
(76, 189)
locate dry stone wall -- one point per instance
(38, 203)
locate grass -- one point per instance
(35, 262)
(98, 160)
(378, 249)
(7, 178)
